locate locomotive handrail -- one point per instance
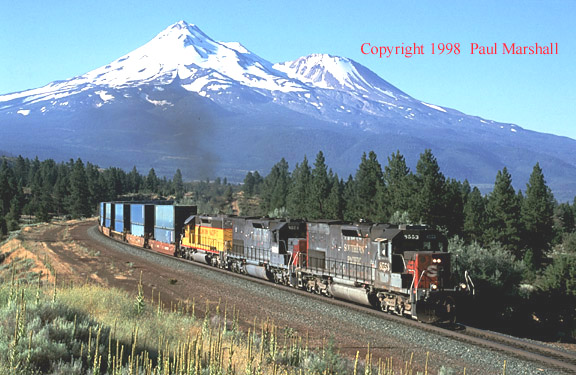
(342, 269)
(419, 279)
(469, 282)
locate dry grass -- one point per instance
(95, 330)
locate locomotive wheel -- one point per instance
(426, 312)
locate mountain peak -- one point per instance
(187, 32)
(322, 70)
(183, 24)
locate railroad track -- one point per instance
(540, 354)
(532, 351)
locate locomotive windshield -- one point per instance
(421, 241)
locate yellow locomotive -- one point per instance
(206, 238)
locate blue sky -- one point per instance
(44, 41)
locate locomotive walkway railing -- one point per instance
(338, 268)
(330, 267)
(260, 255)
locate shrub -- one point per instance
(556, 297)
(497, 277)
(491, 267)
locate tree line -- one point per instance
(526, 223)
(519, 245)
(41, 190)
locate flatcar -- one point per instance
(401, 269)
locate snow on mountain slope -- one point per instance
(181, 51)
(339, 73)
(332, 88)
(182, 95)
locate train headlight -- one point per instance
(463, 286)
(433, 286)
(436, 260)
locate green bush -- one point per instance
(36, 335)
(556, 298)
(491, 267)
(497, 276)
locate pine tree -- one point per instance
(319, 188)
(7, 187)
(21, 167)
(152, 182)
(349, 200)
(258, 180)
(60, 195)
(474, 216)
(16, 206)
(43, 209)
(537, 216)
(299, 191)
(564, 218)
(429, 200)
(79, 192)
(399, 185)
(134, 181)
(369, 189)
(275, 187)
(249, 183)
(34, 167)
(334, 204)
(94, 187)
(3, 226)
(503, 213)
(178, 184)
(456, 194)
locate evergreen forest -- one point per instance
(39, 191)
(518, 245)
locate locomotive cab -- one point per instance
(431, 289)
(414, 275)
(206, 239)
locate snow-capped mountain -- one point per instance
(181, 52)
(184, 100)
(218, 70)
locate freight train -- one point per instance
(401, 269)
